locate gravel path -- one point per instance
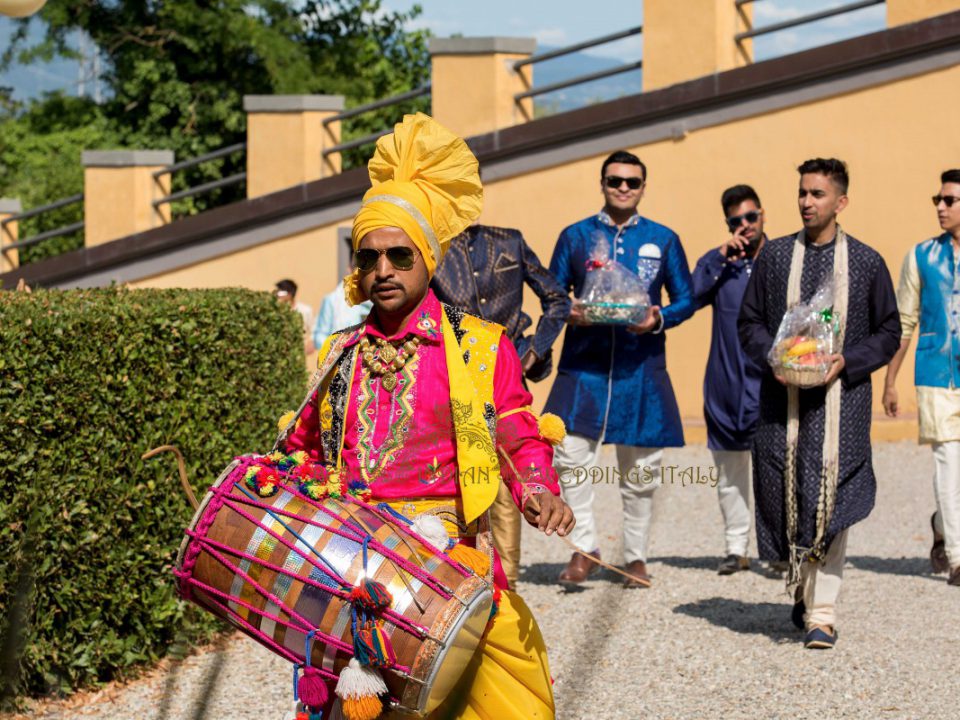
(696, 645)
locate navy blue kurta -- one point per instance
(731, 386)
(871, 339)
(612, 384)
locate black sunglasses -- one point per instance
(737, 220)
(402, 258)
(947, 200)
(613, 181)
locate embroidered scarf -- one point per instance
(829, 471)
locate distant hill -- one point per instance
(570, 66)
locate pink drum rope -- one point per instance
(357, 535)
(304, 627)
(400, 621)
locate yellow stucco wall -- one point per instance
(118, 201)
(488, 103)
(894, 147)
(907, 11)
(286, 148)
(687, 39)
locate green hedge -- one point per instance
(89, 380)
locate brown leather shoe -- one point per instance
(938, 553)
(639, 569)
(579, 569)
(954, 577)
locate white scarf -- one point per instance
(829, 472)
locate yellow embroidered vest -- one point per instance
(470, 345)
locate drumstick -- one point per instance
(534, 502)
(181, 468)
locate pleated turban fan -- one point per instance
(426, 182)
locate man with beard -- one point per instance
(813, 470)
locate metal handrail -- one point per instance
(804, 19)
(559, 52)
(42, 209)
(34, 239)
(200, 159)
(377, 104)
(189, 192)
(359, 142)
(578, 80)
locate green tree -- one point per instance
(40, 150)
(176, 72)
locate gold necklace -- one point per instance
(384, 360)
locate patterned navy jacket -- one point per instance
(484, 271)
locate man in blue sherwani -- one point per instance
(612, 384)
(731, 386)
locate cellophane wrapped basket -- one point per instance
(612, 295)
(806, 337)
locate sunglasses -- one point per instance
(614, 182)
(737, 220)
(947, 200)
(402, 258)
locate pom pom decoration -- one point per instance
(360, 490)
(285, 420)
(359, 689)
(551, 428)
(312, 688)
(470, 558)
(431, 529)
(371, 595)
(313, 489)
(262, 479)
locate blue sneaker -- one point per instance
(821, 637)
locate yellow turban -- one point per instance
(426, 182)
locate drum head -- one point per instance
(460, 644)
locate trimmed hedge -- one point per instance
(89, 380)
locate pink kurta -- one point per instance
(402, 444)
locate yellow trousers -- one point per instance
(505, 524)
(508, 678)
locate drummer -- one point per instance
(425, 403)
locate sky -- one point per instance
(551, 22)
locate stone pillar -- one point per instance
(473, 83)
(687, 39)
(286, 138)
(900, 12)
(118, 193)
(9, 233)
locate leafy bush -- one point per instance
(89, 380)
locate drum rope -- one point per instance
(304, 624)
(356, 536)
(399, 619)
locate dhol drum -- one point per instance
(324, 579)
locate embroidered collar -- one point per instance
(605, 219)
(425, 323)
